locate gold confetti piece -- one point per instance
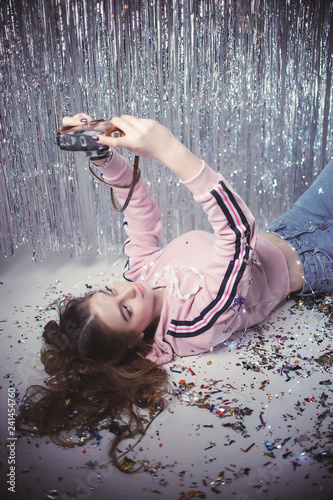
(28, 469)
(126, 463)
(192, 494)
(206, 405)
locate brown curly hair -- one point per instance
(94, 379)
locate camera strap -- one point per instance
(136, 177)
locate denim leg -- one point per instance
(315, 250)
(308, 227)
(318, 198)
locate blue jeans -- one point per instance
(308, 227)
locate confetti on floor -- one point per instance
(250, 419)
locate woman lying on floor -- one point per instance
(104, 355)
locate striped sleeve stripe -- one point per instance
(228, 288)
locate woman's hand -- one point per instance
(147, 138)
(143, 137)
(78, 119)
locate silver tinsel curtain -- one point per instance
(245, 84)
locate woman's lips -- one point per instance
(140, 287)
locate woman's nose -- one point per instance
(127, 292)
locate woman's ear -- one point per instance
(138, 337)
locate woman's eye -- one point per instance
(111, 290)
(128, 311)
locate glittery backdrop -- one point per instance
(246, 84)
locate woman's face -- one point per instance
(126, 307)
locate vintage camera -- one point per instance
(79, 138)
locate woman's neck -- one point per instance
(158, 301)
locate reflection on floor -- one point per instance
(252, 419)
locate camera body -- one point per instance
(80, 138)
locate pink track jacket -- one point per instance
(217, 283)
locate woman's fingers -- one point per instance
(144, 137)
(69, 121)
(128, 125)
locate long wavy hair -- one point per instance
(94, 380)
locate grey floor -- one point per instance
(252, 419)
